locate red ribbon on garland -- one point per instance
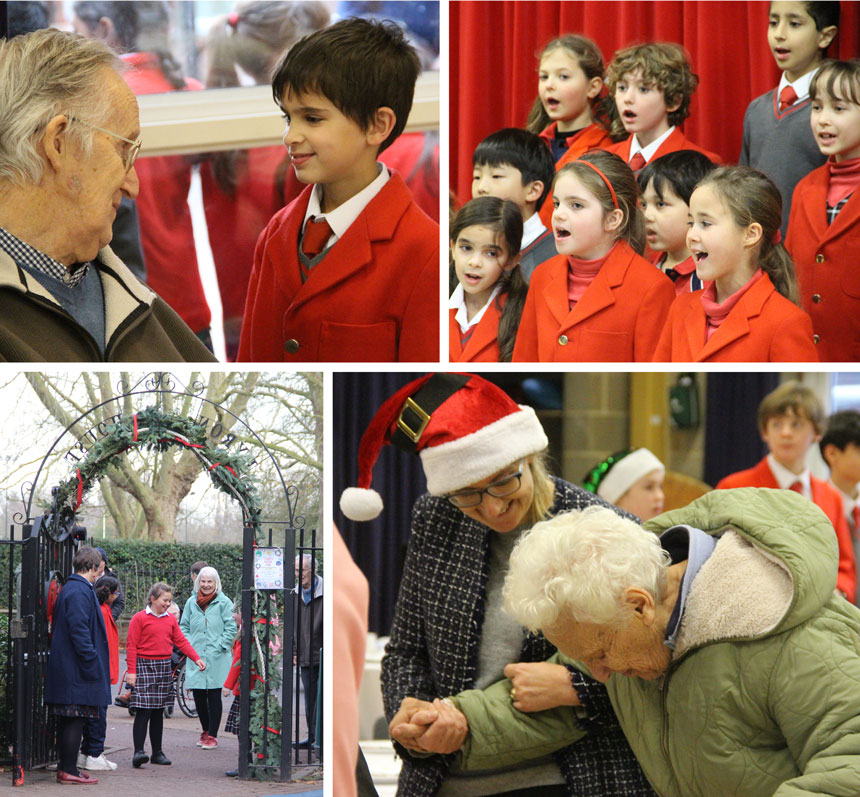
(224, 466)
(134, 418)
(80, 490)
(186, 443)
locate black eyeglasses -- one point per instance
(504, 486)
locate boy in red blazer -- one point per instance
(652, 85)
(790, 420)
(349, 271)
(824, 225)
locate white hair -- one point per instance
(307, 559)
(43, 74)
(578, 564)
(208, 572)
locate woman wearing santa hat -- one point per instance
(483, 456)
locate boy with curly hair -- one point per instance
(652, 85)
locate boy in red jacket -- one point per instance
(348, 271)
(790, 420)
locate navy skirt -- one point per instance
(154, 687)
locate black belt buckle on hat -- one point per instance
(417, 409)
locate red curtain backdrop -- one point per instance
(494, 47)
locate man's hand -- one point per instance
(402, 728)
(539, 685)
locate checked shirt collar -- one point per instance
(26, 255)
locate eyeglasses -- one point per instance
(506, 485)
(130, 157)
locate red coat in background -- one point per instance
(373, 298)
(826, 498)
(676, 141)
(763, 326)
(113, 642)
(592, 137)
(166, 233)
(826, 259)
(483, 345)
(618, 318)
(416, 157)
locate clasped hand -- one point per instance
(426, 727)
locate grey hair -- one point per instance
(208, 572)
(306, 558)
(43, 74)
(578, 564)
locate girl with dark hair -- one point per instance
(750, 312)
(484, 309)
(598, 299)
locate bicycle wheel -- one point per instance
(184, 696)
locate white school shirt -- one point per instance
(344, 215)
(785, 478)
(458, 302)
(648, 152)
(801, 85)
(532, 229)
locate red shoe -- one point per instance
(210, 744)
(83, 778)
(203, 737)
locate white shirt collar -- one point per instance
(458, 302)
(532, 228)
(648, 152)
(785, 478)
(148, 610)
(344, 215)
(801, 85)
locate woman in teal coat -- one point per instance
(207, 621)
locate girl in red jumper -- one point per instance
(750, 312)
(568, 112)
(484, 309)
(598, 300)
(824, 225)
(152, 634)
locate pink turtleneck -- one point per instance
(844, 179)
(580, 274)
(716, 312)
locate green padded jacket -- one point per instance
(762, 696)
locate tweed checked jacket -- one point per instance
(433, 650)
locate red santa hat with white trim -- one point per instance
(463, 427)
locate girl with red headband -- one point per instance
(598, 300)
(750, 312)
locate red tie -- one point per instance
(317, 232)
(787, 98)
(797, 487)
(637, 162)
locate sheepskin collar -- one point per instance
(740, 592)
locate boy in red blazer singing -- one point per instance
(652, 85)
(349, 271)
(790, 420)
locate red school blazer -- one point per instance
(826, 498)
(676, 141)
(763, 326)
(592, 137)
(827, 258)
(483, 345)
(373, 298)
(618, 318)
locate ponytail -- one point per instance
(516, 289)
(751, 197)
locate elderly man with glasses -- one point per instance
(69, 136)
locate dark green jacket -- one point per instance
(762, 696)
(139, 326)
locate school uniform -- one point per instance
(373, 297)
(618, 318)
(763, 326)
(683, 275)
(824, 496)
(674, 142)
(594, 136)
(482, 345)
(826, 257)
(781, 144)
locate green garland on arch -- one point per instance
(153, 429)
